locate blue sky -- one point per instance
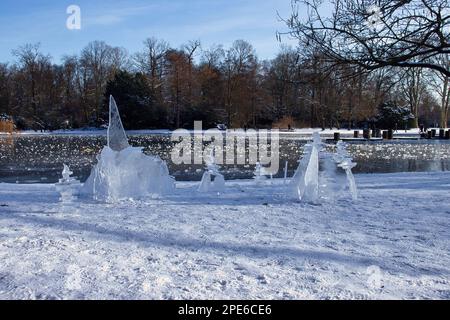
(127, 23)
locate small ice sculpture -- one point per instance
(260, 174)
(305, 183)
(212, 180)
(330, 182)
(68, 187)
(66, 175)
(125, 172)
(345, 161)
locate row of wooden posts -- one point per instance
(389, 134)
(433, 133)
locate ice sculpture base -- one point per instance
(212, 183)
(127, 174)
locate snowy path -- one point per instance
(248, 243)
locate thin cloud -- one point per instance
(121, 14)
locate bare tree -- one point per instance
(96, 59)
(441, 84)
(119, 59)
(177, 82)
(284, 81)
(414, 89)
(240, 63)
(190, 50)
(213, 56)
(33, 66)
(373, 34)
(151, 62)
(5, 92)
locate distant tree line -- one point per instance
(165, 87)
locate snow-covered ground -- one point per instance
(250, 242)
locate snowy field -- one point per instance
(249, 243)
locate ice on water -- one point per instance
(125, 172)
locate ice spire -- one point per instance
(306, 179)
(117, 138)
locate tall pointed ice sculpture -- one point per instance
(125, 172)
(317, 178)
(305, 183)
(117, 138)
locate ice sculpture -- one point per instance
(305, 183)
(212, 180)
(68, 187)
(260, 174)
(317, 178)
(330, 181)
(345, 161)
(117, 138)
(125, 172)
(286, 166)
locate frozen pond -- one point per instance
(39, 159)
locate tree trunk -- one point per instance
(445, 104)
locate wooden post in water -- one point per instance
(441, 134)
(385, 135)
(447, 135)
(376, 133)
(390, 134)
(366, 134)
(356, 134)
(433, 133)
(429, 135)
(337, 136)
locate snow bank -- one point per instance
(249, 243)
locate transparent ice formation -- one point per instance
(68, 187)
(317, 177)
(260, 174)
(345, 161)
(305, 183)
(212, 180)
(117, 138)
(125, 172)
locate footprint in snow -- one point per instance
(262, 279)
